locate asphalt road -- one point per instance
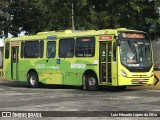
(16, 96)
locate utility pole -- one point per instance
(73, 27)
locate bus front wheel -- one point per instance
(91, 82)
(33, 79)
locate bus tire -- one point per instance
(33, 80)
(91, 82)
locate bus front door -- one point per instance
(105, 62)
(14, 63)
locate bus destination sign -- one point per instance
(133, 35)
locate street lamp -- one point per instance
(73, 27)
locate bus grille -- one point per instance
(139, 81)
(140, 75)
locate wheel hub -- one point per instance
(92, 82)
(33, 80)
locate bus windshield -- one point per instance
(136, 53)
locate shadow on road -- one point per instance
(24, 85)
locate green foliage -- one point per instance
(4, 17)
(44, 15)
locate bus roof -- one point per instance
(69, 33)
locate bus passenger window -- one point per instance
(22, 49)
(114, 51)
(41, 49)
(7, 50)
(66, 48)
(31, 49)
(51, 49)
(109, 51)
(85, 47)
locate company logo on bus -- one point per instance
(132, 35)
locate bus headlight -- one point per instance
(123, 73)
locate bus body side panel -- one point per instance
(7, 69)
(73, 69)
(31, 64)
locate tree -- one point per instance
(26, 16)
(4, 18)
(33, 16)
(133, 14)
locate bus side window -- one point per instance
(51, 49)
(7, 50)
(114, 51)
(41, 49)
(85, 47)
(66, 48)
(31, 49)
(22, 49)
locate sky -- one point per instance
(9, 36)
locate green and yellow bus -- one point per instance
(92, 58)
